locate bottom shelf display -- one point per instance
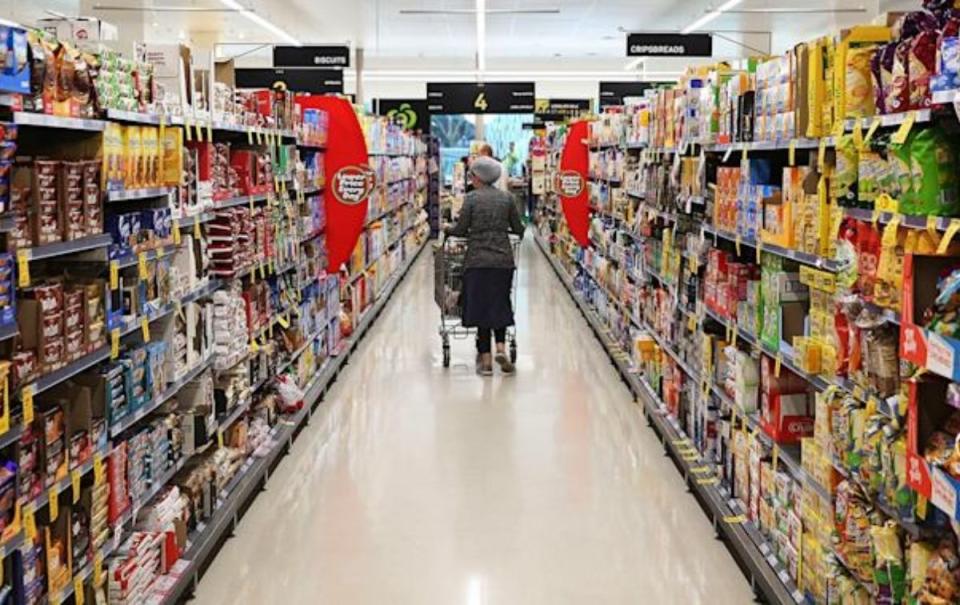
(151, 493)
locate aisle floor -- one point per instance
(418, 485)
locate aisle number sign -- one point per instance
(480, 97)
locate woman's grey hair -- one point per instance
(485, 170)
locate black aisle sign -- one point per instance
(409, 113)
(311, 56)
(558, 110)
(488, 97)
(669, 45)
(613, 93)
(316, 81)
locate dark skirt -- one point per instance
(486, 298)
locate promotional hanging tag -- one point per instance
(23, 268)
(792, 152)
(874, 125)
(26, 397)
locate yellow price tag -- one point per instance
(26, 396)
(210, 131)
(874, 125)
(692, 324)
(900, 136)
(176, 232)
(948, 236)
(75, 478)
(838, 128)
(735, 519)
(263, 270)
(737, 243)
(700, 470)
(98, 468)
(97, 569)
(186, 128)
(78, 593)
(922, 506)
(197, 233)
(259, 136)
(142, 266)
(743, 153)
(858, 392)
(23, 268)
(822, 155)
(53, 496)
(250, 136)
(114, 275)
(282, 320)
(220, 439)
(708, 481)
(777, 365)
(29, 523)
(690, 457)
(145, 329)
(792, 152)
(114, 343)
(254, 347)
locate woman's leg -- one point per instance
(484, 357)
(502, 358)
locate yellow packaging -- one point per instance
(171, 160)
(114, 168)
(133, 157)
(852, 80)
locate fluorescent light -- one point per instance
(261, 21)
(709, 16)
(481, 35)
(636, 63)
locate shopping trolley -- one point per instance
(448, 258)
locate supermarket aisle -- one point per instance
(423, 486)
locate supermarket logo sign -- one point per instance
(353, 184)
(570, 183)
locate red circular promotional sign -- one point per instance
(351, 185)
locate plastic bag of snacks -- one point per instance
(933, 166)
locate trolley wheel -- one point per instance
(513, 352)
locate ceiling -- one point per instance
(582, 29)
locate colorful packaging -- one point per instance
(933, 164)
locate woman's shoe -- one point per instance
(506, 366)
(485, 365)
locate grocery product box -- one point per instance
(786, 418)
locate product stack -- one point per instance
(167, 318)
(776, 279)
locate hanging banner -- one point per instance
(559, 110)
(311, 56)
(412, 114)
(613, 93)
(347, 166)
(571, 182)
(660, 44)
(316, 81)
(480, 97)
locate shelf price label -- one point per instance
(145, 329)
(249, 135)
(948, 236)
(54, 503)
(78, 594)
(792, 152)
(29, 522)
(98, 469)
(114, 343)
(75, 477)
(114, 275)
(874, 125)
(220, 440)
(176, 232)
(210, 131)
(822, 155)
(708, 481)
(23, 268)
(900, 136)
(98, 569)
(142, 266)
(26, 397)
(777, 365)
(197, 233)
(735, 519)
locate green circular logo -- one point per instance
(404, 116)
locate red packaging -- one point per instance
(786, 418)
(787, 384)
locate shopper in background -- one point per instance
(511, 160)
(502, 182)
(487, 219)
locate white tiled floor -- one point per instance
(414, 484)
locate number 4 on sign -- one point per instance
(481, 102)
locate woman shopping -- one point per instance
(487, 219)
